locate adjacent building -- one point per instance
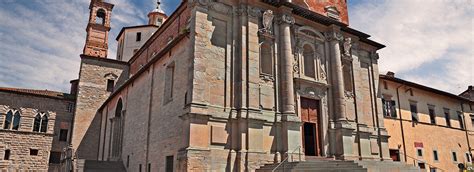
(428, 128)
(35, 129)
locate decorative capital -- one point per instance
(333, 35)
(286, 18)
(254, 11)
(241, 10)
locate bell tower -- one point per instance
(98, 29)
(157, 17)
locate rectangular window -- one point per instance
(139, 36)
(63, 135)
(447, 117)
(55, 158)
(169, 164)
(435, 155)
(34, 152)
(455, 157)
(149, 167)
(389, 108)
(7, 155)
(395, 154)
(70, 107)
(422, 165)
(419, 152)
(110, 85)
(460, 119)
(468, 158)
(140, 168)
(433, 169)
(472, 120)
(414, 112)
(432, 115)
(169, 80)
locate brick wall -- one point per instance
(319, 6)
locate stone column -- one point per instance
(291, 124)
(287, 90)
(334, 37)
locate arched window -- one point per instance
(100, 17)
(8, 120)
(118, 109)
(37, 123)
(308, 60)
(44, 123)
(266, 58)
(16, 120)
(117, 130)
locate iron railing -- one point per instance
(415, 160)
(287, 156)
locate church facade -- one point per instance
(232, 85)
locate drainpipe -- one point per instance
(401, 123)
(465, 129)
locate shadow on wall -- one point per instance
(89, 145)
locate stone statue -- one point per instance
(347, 46)
(267, 20)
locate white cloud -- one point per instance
(41, 41)
(419, 33)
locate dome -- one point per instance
(158, 8)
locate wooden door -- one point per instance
(311, 128)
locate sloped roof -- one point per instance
(42, 93)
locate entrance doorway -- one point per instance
(311, 128)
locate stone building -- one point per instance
(428, 128)
(35, 129)
(233, 85)
(220, 85)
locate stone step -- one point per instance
(314, 170)
(314, 166)
(387, 166)
(103, 166)
(318, 165)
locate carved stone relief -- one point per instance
(267, 78)
(267, 21)
(215, 6)
(312, 92)
(347, 46)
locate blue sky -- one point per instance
(429, 43)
